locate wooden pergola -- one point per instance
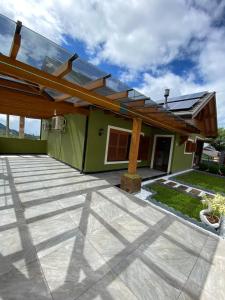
(24, 91)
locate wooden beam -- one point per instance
(16, 41)
(65, 68)
(7, 125)
(119, 95)
(96, 84)
(20, 103)
(62, 97)
(134, 147)
(27, 72)
(23, 87)
(21, 127)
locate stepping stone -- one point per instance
(195, 192)
(171, 184)
(161, 180)
(209, 195)
(182, 188)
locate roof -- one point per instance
(187, 105)
(50, 80)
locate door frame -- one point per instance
(171, 150)
(196, 139)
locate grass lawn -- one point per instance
(182, 202)
(204, 181)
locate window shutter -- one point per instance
(190, 147)
(144, 147)
(118, 147)
(194, 147)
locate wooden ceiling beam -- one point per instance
(34, 104)
(65, 68)
(27, 72)
(16, 41)
(19, 86)
(119, 95)
(96, 84)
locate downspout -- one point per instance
(85, 145)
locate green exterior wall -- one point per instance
(180, 160)
(96, 145)
(68, 146)
(22, 146)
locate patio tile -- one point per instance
(73, 268)
(192, 291)
(172, 258)
(209, 277)
(146, 281)
(44, 229)
(109, 287)
(24, 283)
(150, 215)
(183, 234)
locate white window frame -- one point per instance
(190, 140)
(106, 162)
(171, 150)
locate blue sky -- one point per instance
(149, 44)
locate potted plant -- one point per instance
(211, 216)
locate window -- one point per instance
(32, 128)
(119, 146)
(190, 147)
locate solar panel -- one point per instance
(181, 105)
(187, 97)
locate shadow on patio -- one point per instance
(64, 235)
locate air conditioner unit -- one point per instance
(58, 123)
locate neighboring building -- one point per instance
(101, 141)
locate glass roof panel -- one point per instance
(35, 49)
(7, 29)
(116, 85)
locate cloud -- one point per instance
(141, 37)
(135, 34)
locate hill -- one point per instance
(14, 133)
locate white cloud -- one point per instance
(139, 35)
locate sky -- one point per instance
(149, 44)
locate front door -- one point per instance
(162, 153)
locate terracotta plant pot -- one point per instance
(210, 220)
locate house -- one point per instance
(101, 141)
(91, 120)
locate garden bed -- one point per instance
(180, 201)
(203, 180)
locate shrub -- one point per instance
(215, 204)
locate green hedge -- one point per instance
(212, 167)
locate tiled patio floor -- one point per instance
(113, 177)
(64, 236)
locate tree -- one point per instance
(219, 142)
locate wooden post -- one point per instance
(131, 182)
(21, 128)
(134, 147)
(7, 126)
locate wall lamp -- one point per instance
(100, 131)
